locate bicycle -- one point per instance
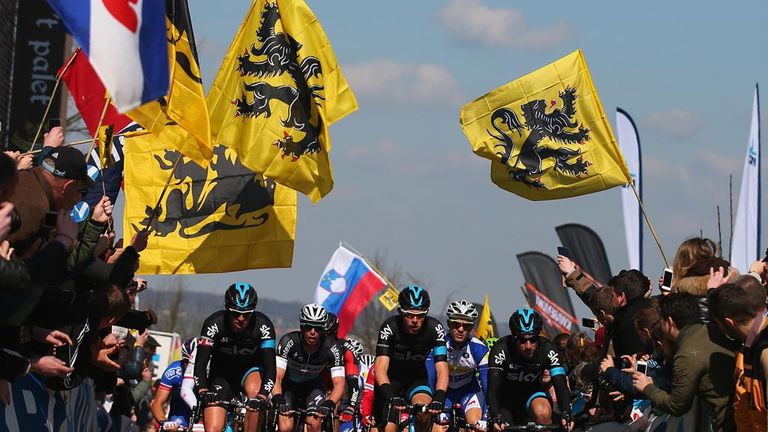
(534, 427)
(407, 417)
(457, 421)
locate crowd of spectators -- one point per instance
(694, 350)
(67, 285)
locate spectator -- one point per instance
(628, 290)
(702, 366)
(739, 309)
(693, 260)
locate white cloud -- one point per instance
(472, 21)
(677, 123)
(404, 83)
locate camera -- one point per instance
(49, 221)
(625, 363)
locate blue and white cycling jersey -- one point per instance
(467, 365)
(171, 381)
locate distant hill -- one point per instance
(190, 308)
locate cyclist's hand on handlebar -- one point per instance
(208, 397)
(398, 403)
(498, 424)
(567, 422)
(169, 426)
(435, 407)
(259, 403)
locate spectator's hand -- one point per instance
(6, 209)
(6, 251)
(53, 337)
(717, 278)
(102, 211)
(5, 392)
(565, 264)
(54, 137)
(141, 339)
(66, 229)
(139, 241)
(758, 267)
(102, 349)
(616, 395)
(24, 162)
(632, 359)
(606, 364)
(50, 366)
(641, 381)
(101, 245)
(146, 375)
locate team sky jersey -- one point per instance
(301, 366)
(466, 364)
(228, 351)
(408, 351)
(508, 370)
(171, 381)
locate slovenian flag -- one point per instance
(346, 286)
(126, 43)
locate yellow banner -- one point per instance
(389, 298)
(277, 91)
(546, 134)
(485, 322)
(213, 219)
(185, 104)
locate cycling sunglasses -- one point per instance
(523, 339)
(237, 313)
(457, 324)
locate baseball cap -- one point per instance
(68, 162)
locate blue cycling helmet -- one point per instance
(525, 322)
(241, 297)
(413, 298)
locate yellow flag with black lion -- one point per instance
(546, 134)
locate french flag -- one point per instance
(347, 285)
(125, 41)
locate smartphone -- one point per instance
(54, 122)
(564, 251)
(642, 367)
(589, 323)
(63, 353)
(49, 221)
(666, 280)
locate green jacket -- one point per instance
(702, 366)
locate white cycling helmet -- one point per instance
(313, 315)
(355, 346)
(463, 311)
(367, 360)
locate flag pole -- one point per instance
(53, 93)
(648, 222)
(107, 100)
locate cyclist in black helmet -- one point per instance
(240, 344)
(515, 367)
(401, 375)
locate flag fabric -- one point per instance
(125, 42)
(587, 250)
(277, 91)
(347, 285)
(213, 219)
(389, 298)
(89, 94)
(109, 180)
(546, 134)
(745, 248)
(629, 142)
(485, 323)
(181, 118)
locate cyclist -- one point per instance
(404, 342)
(516, 365)
(302, 357)
(240, 344)
(170, 388)
(467, 363)
(349, 403)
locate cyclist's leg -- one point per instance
(285, 422)
(420, 393)
(215, 417)
(386, 418)
(315, 397)
(539, 407)
(473, 403)
(251, 384)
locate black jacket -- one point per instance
(622, 331)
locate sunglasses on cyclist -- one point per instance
(236, 314)
(308, 327)
(459, 324)
(523, 339)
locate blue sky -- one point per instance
(407, 183)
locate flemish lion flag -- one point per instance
(485, 323)
(218, 218)
(185, 103)
(546, 134)
(277, 91)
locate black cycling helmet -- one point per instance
(241, 297)
(525, 322)
(413, 297)
(332, 325)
